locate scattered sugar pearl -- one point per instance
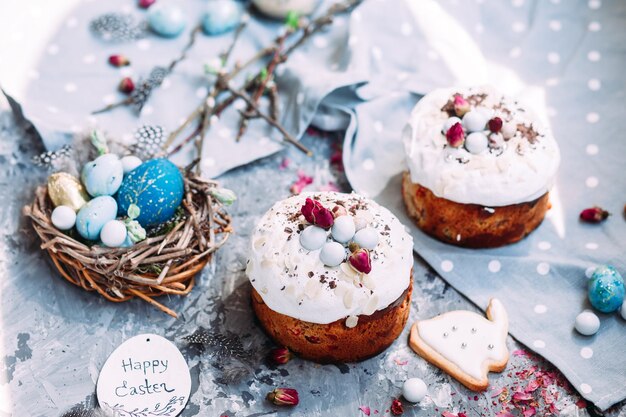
(414, 390)
(113, 234)
(343, 229)
(332, 254)
(366, 238)
(508, 130)
(587, 323)
(448, 124)
(312, 238)
(63, 217)
(476, 143)
(623, 310)
(129, 163)
(586, 352)
(475, 120)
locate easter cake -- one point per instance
(480, 167)
(331, 276)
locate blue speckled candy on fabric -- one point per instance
(167, 20)
(103, 175)
(221, 16)
(606, 289)
(156, 187)
(92, 217)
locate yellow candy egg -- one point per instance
(66, 190)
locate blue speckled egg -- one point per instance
(92, 217)
(156, 187)
(606, 289)
(103, 175)
(167, 20)
(221, 16)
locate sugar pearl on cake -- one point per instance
(475, 120)
(587, 323)
(313, 238)
(332, 254)
(496, 140)
(414, 390)
(367, 238)
(508, 130)
(343, 229)
(476, 142)
(113, 234)
(448, 123)
(360, 222)
(63, 217)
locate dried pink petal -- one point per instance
(360, 260)
(284, 164)
(455, 135)
(532, 386)
(365, 409)
(301, 183)
(529, 412)
(144, 4)
(396, 407)
(522, 396)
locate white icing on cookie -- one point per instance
(293, 281)
(521, 171)
(467, 339)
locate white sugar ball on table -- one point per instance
(587, 323)
(332, 254)
(367, 238)
(312, 238)
(63, 217)
(475, 120)
(414, 390)
(113, 234)
(623, 310)
(476, 143)
(129, 163)
(449, 123)
(343, 229)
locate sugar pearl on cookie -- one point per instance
(475, 121)
(366, 238)
(587, 323)
(414, 390)
(343, 229)
(332, 254)
(448, 124)
(476, 142)
(63, 217)
(313, 238)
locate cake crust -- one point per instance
(471, 225)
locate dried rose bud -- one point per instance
(280, 355)
(339, 211)
(126, 85)
(284, 396)
(317, 214)
(360, 260)
(144, 4)
(118, 60)
(461, 106)
(594, 215)
(495, 124)
(396, 407)
(455, 135)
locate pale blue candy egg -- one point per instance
(221, 16)
(476, 143)
(129, 163)
(343, 229)
(606, 289)
(279, 9)
(313, 238)
(63, 217)
(332, 254)
(449, 123)
(103, 175)
(587, 323)
(113, 234)
(367, 238)
(475, 120)
(94, 215)
(156, 187)
(166, 20)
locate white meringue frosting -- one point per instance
(293, 281)
(521, 171)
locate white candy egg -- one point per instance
(343, 229)
(508, 130)
(623, 310)
(476, 142)
(63, 217)
(113, 234)
(313, 238)
(475, 120)
(587, 323)
(367, 238)
(414, 390)
(449, 123)
(332, 254)
(129, 163)
(360, 222)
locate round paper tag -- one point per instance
(146, 375)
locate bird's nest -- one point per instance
(163, 264)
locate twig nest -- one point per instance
(113, 234)
(587, 323)
(332, 254)
(279, 9)
(414, 390)
(63, 217)
(166, 20)
(221, 16)
(313, 238)
(94, 215)
(103, 175)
